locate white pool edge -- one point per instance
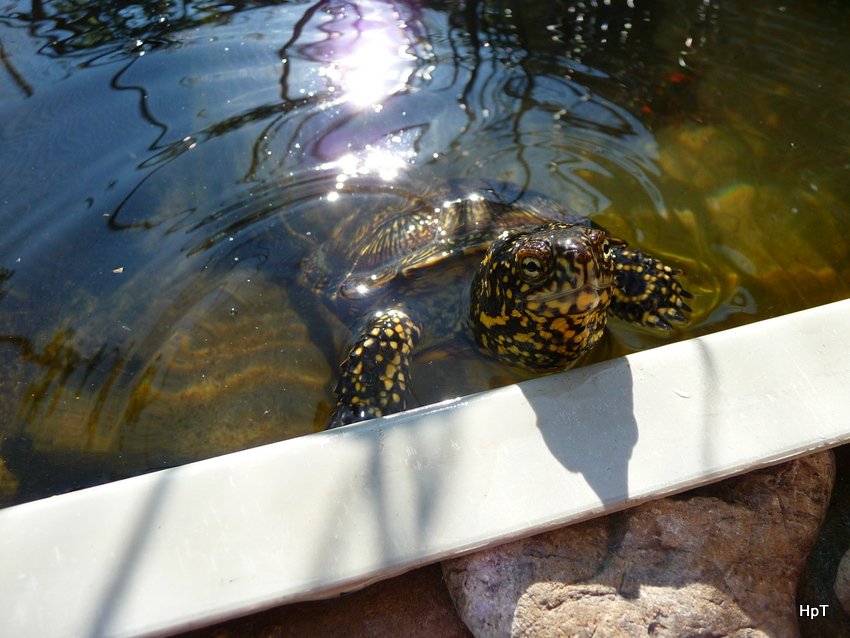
(310, 517)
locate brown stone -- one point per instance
(721, 561)
(706, 157)
(842, 583)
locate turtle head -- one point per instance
(539, 298)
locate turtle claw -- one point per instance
(647, 292)
(665, 318)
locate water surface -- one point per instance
(165, 167)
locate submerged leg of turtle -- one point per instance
(539, 299)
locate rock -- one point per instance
(722, 561)
(706, 157)
(822, 581)
(231, 366)
(842, 583)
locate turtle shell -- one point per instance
(371, 248)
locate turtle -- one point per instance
(532, 284)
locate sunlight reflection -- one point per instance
(366, 50)
(378, 62)
(384, 162)
(350, 58)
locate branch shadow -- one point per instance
(117, 594)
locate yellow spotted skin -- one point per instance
(546, 319)
(548, 316)
(647, 291)
(373, 376)
(529, 291)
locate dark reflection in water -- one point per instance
(165, 167)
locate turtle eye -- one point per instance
(532, 269)
(607, 252)
(533, 263)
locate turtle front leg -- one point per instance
(374, 376)
(647, 292)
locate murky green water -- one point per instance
(162, 163)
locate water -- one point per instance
(164, 167)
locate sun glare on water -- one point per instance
(367, 51)
(377, 66)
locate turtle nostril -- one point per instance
(596, 236)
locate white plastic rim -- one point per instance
(314, 516)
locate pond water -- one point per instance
(165, 167)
